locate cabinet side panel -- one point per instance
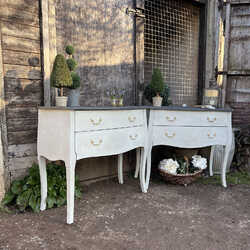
(55, 139)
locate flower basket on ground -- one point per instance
(182, 171)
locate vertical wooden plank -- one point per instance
(3, 126)
(46, 51)
(52, 39)
(226, 51)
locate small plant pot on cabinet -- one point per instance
(61, 101)
(157, 101)
(74, 98)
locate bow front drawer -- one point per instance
(108, 142)
(189, 137)
(96, 120)
(190, 118)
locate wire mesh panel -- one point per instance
(172, 45)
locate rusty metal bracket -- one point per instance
(137, 12)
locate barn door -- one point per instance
(234, 69)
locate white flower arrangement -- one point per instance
(179, 166)
(199, 162)
(169, 165)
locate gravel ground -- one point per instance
(112, 216)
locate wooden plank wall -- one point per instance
(20, 32)
(238, 91)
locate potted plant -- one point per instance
(182, 170)
(74, 94)
(121, 93)
(157, 92)
(61, 78)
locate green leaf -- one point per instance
(16, 187)
(22, 200)
(60, 201)
(33, 202)
(51, 201)
(78, 193)
(8, 198)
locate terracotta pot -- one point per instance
(157, 101)
(61, 101)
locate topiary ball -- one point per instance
(70, 50)
(71, 64)
(60, 75)
(76, 80)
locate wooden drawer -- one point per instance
(190, 118)
(96, 120)
(109, 142)
(189, 137)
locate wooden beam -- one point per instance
(3, 126)
(46, 51)
(226, 51)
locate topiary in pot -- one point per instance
(157, 91)
(60, 77)
(74, 95)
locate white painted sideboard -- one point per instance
(191, 128)
(71, 134)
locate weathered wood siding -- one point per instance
(238, 91)
(23, 90)
(102, 35)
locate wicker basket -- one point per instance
(182, 179)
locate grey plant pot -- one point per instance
(74, 98)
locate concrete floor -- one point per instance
(113, 216)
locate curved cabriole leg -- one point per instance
(148, 166)
(43, 180)
(211, 161)
(143, 170)
(120, 168)
(138, 157)
(70, 176)
(224, 166)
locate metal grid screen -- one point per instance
(171, 44)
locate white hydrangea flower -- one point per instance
(169, 165)
(199, 162)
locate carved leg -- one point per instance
(138, 156)
(224, 166)
(70, 176)
(211, 161)
(120, 168)
(149, 152)
(143, 170)
(43, 180)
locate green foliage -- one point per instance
(157, 87)
(233, 178)
(60, 76)
(76, 80)
(69, 50)
(25, 193)
(71, 64)
(149, 93)
(157, 82)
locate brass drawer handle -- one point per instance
(211, 136)
(96, 143)
(171, 119)
(132, 118)
(96, 123)
(133, 137)
(211, 119)
(170, 135)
